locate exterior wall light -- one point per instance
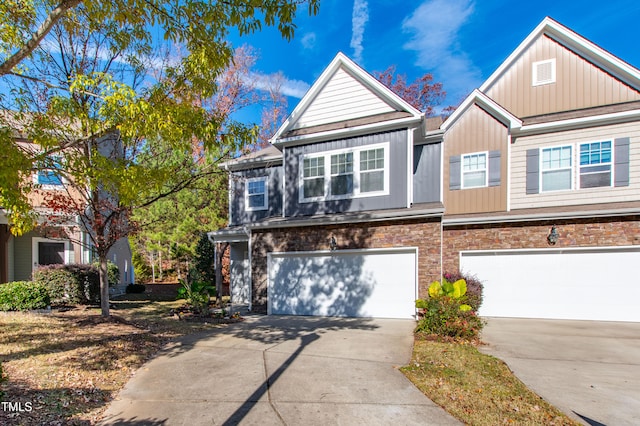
(332, 243)
(553, 236)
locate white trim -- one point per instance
(326, 155)
(535, 79)
(508, 169)
(351, 131)
(342, 61)
(575, 123)
(35, 251)
(606, 249)
(486, 169)
(571, 168)
(410, 160)
(489, 105)
(265, 205)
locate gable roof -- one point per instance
(576, 43)
(386, 106)
(478, 98)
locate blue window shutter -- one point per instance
(454, 172)
(494, 168)
(621, 176)
(533, 171)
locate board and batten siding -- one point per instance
(475, 131)
(426, 173)
(342, 98)
(239, 214)
(579, 84)
(397, 197)
(609, 194)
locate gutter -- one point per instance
(541, 216)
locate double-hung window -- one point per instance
(313, 177)
(595, 164)
(556, 168)
(353, 172)
(342, 174)
(474, 170)
(372, 170)
(256, 194)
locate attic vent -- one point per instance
(544, 72)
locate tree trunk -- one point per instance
(104, 286)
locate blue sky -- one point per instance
(461, 42)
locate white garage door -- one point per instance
(352, 283)
(585, 284)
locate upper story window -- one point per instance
(342, 174)
(354, 172)
(474, 170)
(50, 177)
(595, 164)
(313, 177)
(256, 193)
(372, 170)
(603, 163)
(556, 168)
(543, 72)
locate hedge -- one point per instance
(70, 284)
(23, 296)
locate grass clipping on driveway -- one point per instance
(476, 388)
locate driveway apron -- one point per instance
(281, 370)
(588, 369)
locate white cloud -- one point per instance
(434, 27)
(358, 21)
(288, 87)
(308, 40)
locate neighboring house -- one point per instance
(532, 184)
(58, 241)
(549, 143)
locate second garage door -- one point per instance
(583, 284)
(352, 283)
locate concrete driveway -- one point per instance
(589, 370)
(275, 370)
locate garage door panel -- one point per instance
(591, 284)
(343, 283)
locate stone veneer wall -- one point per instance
(592, 232)
(424, 234)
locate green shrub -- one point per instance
(442, 316)
(135, 288)
(449, 311)
(70, 284)
(113, 272)
(474, 288)
(197, 294)
(23, 296)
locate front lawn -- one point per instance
(477, 389)
(69, 365)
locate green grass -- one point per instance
(477, 389)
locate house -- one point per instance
(532, 185)
(58, 239)
(541, 178)
(327, 220)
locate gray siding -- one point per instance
(397, 197)
(23, 258)
(238, 213)
(426, 173)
